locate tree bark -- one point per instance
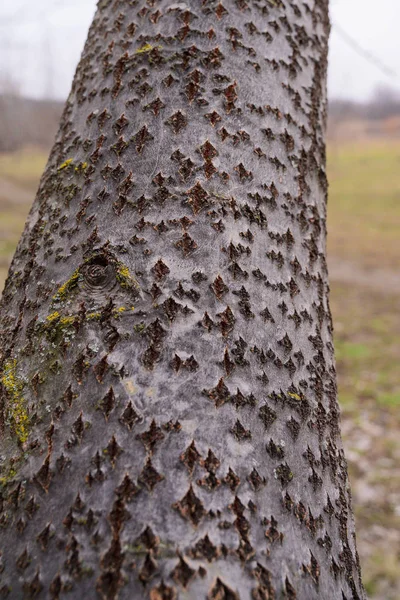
(170, 426)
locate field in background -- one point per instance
(364, 260)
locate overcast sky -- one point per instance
(40, 44)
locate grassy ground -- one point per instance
(363, 233)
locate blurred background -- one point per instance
(40, 44)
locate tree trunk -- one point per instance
(170, 417)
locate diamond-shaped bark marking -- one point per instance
(118, 516)
(160, 269)
(227, 364)
(190, 364)
(255, 480)
(220, 11)
(33, 588)
(240, 433)
(79, 504)
(239, 400)
(208, 151)
(283, 474)
(56, 587)
(245, 550)
(169, 80)
(294, 427)
(290, 591)
(120, 146)
(190, 457)
(275, 450)
(220, 591)
(186, 244)
(210, 481)
(238, 508)
(126, 489)
(141, 138)
(100, 369)
(259, 153)
(171, 308)
(265, 590)
(103, 117)
(227, 321)
(211, 463)
(108, 584)
(107, 404)
(231, 96)
(126, 185)
(148, 539)
(286, 343)
(44, 476)
(150, 437)
(17, 495)
(163, 592)
(190, 507)
(265, 314)
(313, 569)
(197, 198)
(149, 477)
(182, 573)
(243, 173)
(209, 169)
(219, 394)
(204, 548)
(219, 288)
(232, 480)
(213, 118)
(149, 569)
(120, 124)
(113, 450)
(159, 179)
(129, 417)
(267, 415)
(186, 168)
(31, 507)
(44, 537)
(177, 122)
(315, 480)
(155, 106)
(191, 91)
(23, 560)
(78, 427)
(272, 533)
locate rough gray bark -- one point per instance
(170, 419)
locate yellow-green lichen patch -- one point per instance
(117, 312)
(93, 316)
(65, 164)
(67, 287)
(145, 48)
(124, 277)
(81, 167)
(9, 476)
(17, 406)
(294, 396)
(53, 317)
(58, 327)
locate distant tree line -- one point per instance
(383, 104)
(24, 121)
